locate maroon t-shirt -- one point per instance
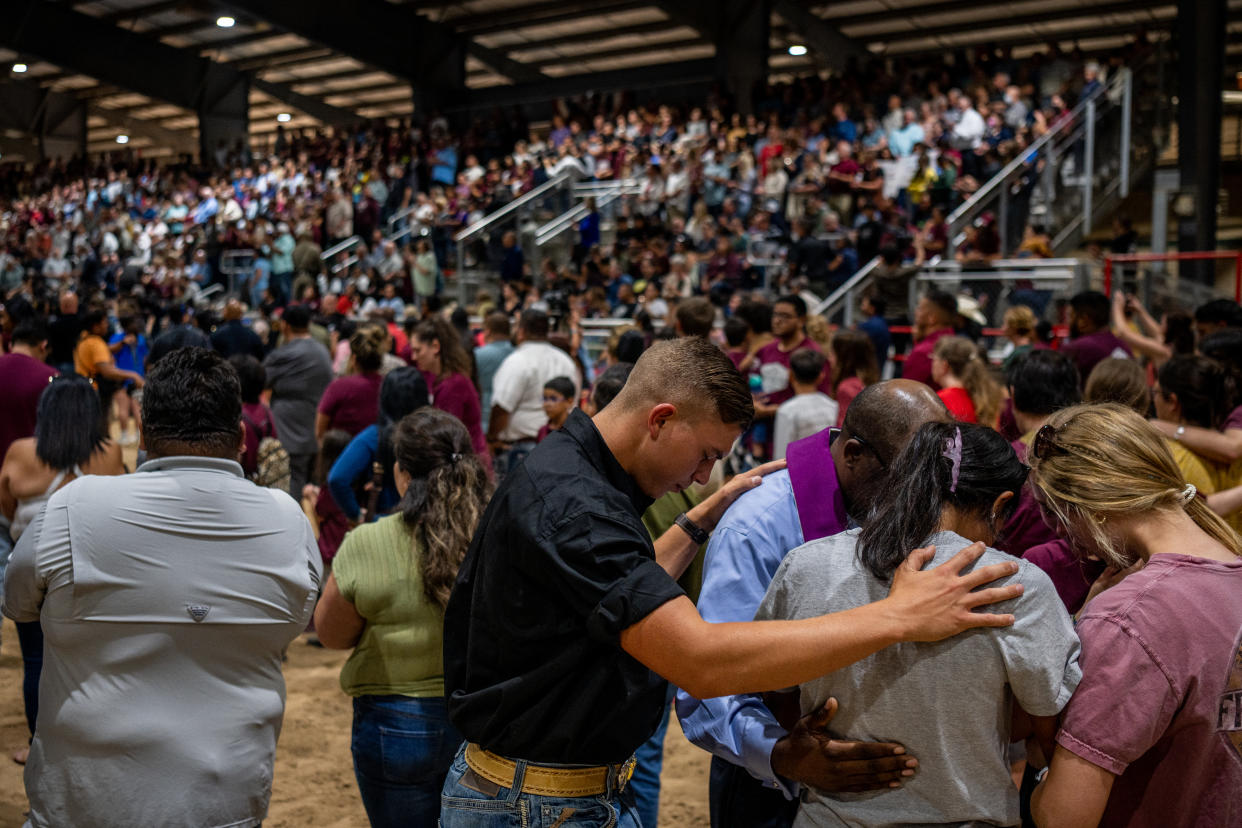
(918, 363)
(1092, 349)
(1160, 703)
(772, 363)
(455, 394)
(259, 424)
(1234, 420)
(352, 402)
(22, 379)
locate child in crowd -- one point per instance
(558, 401)
(809, 410)
(737, 336)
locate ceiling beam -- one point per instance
(393, 38)
(638, 77)
(828, 44)
(539, 14)
(151, 68)
(1085, 12)
(590, 37)
(933, 9)
(621, 51)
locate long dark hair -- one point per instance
(453, 356)
(855, 357)
(1202, 386)
(402, 392)
(447, 494)
(905, 515)
(69, 423)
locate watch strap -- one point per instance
(696, 532)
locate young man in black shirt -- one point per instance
(566, 619)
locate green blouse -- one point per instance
(401, 649)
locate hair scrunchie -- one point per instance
(1188, 494)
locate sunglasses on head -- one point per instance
(1045, 443)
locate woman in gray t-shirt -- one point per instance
(951, 703)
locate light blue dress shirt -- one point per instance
(743, 555)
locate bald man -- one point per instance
(832, 479)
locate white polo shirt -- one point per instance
(518, 386)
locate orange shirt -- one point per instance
(91, 351)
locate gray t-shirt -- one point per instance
(297, 372)
(948, 702)
(166, 598)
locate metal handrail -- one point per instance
(400, 214)
(340, 247)
(967, 209)
(833, 301)
(512, 207)
(620, 186)
(568, 218)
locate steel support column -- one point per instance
(1200, 30)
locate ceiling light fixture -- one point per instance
(122, 139)
(225, 22)
(797, 50)
(284, 117)
(19, 68)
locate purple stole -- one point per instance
(817, 494)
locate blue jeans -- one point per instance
(402, 749)
(462, 806)
(30, 637)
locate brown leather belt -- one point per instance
(542, 780)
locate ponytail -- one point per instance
(960, 464)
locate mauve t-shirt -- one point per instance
(1234, 420)
(1092, 349)
(23, 379)
(352, 402)
(1160, 703)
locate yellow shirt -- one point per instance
(91, 351)
(1200, 472)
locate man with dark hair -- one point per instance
(23, 376)
(758, 765)
(489, 356)
(1217, 315)
(933, 319)
(517, 390)
(1041, 383)
(1091, 339)
(772, 360)
(167, 597)
(298, 372)
(608, 385)
(876, 329)
(234, 336)
(565, 619)
(694, 317)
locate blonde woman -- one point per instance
(385, 599)
(966, 384)
(1151, 736)
(1019, 324)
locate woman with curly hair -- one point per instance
(385, 598)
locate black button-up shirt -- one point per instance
(559, 566)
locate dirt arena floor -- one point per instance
(314, 784)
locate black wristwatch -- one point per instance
(696, 532)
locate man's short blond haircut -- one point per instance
(692, 374)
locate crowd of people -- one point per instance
(535, 552)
